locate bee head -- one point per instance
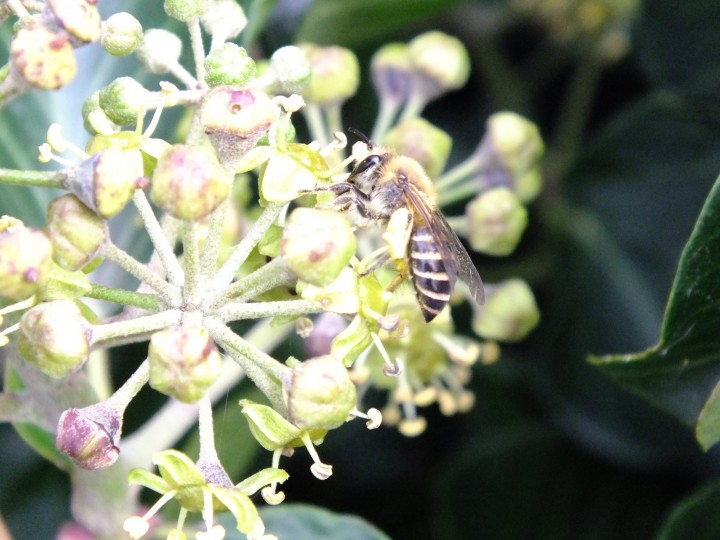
(366, 173)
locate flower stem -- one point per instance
(149, 302)
(316, 124)
(225, 275)
(458, 193)
(123, 395)
(198, 49)
(46, 179)
(158, 238)
(208, 262)
(236, 311)
(271, 275)
(460, 172)
(207, 435)
(139, 325)
(191, 258)
(387, 113)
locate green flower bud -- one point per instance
(185, 10)
(184, 363)
(188, 182)
(269, 427)
(55, 337)
(229, 64)
(335, 74)
(427, 144)
(496, 222)
(90, 436)
(351, 342)
(224, 20)
(43, 58)
(76, 232)
(124, 100)
(320, 394)
(291, 68)
(122, 34)
(317, 245)
(159, 50)
(106, 181)
(509, 313)
(441, 62)
(392, 72)
(95, 121)
(25, 260)
(234, 120)
(80, 18)
(512, 150)
(65, 285)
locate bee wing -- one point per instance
(457, 257)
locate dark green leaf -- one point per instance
(696, 517)
(356, 22)
(306, 522)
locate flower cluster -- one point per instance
(284, 255)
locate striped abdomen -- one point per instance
(433, 277)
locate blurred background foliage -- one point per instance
(553, 449)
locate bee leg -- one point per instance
(396, 282)
(373, 261)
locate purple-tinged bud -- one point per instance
(185, 10)
(184, 363)
(159, 50)
(188, 182)
(427, 144)
(121, 34)
(74, 531)
(441, 63)
(76, 232)
(496, 222)
(235, 119)
(25, 260)
(325, 328)
(80, 18)
(317, 245)
(55, 337)
(124, 100)
(509, 312)
(320, 394)
(106, 181)
(392, 72)
(335, 74)
(90, 436)
(229, 65)
(42, 57)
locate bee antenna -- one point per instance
(360, 135)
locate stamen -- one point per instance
(373, 416)
(320, 470)
(391, 369)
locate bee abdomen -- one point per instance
(431, 280)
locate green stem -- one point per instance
(46, 179)
(271, 275)
(458, 193)
(140, 271)
(149, 302)
(315, 119)
(387, 112)
(462, 171)
(138, 325)
(158, 238)
(237, 311)
(413, 106)
(130, 388)
(191, 258)
(266, 372)
(208, 263)
(226, 274)
(198, 49)
(459, 224)
(206, 431)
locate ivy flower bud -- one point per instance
(188, 182)
(440, 62)
(124, 100)
(496, 222)
(184, 363)
(80, 18)
(511, 151)
(76, 232)
(55, 337)
(392, 72)
(325, 328)
(122, 34)
(95, 121)
(185, 10)
(320, 394)
(335, 74)
(90, 436)
(159, 50)
(224, 19)
(509, 313)
(229, 65)
(291, 68)
(317, 245)
(427, 144)
(25, 260)
(234, 120)
(42, 57)
(106, 181)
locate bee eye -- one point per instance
(368, 163)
